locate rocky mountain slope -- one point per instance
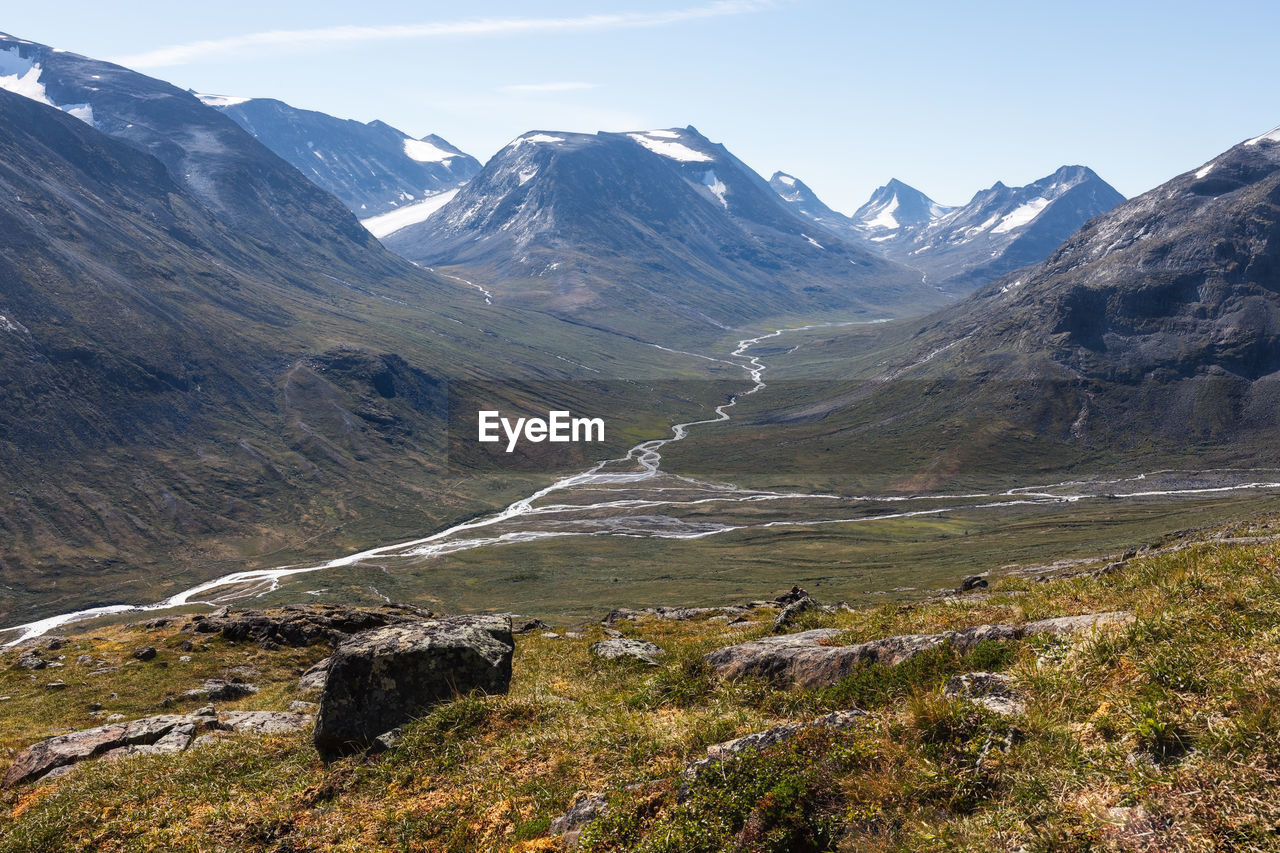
(372, 168)
(660, 229)
(207, 360)
(962, 248)
(1152, 333)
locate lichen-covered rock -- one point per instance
(808, 659)
(990, 689)
(384, 678)
(314, 678)
(622, 647)
(263, 722)
(760, 740)
(30, 659)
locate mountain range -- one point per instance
(1151, 337)
(962, 248)
(654, 229)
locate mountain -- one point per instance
(896, 210)
(371, 168)
(962, 248)
(1150, 338)
(206, 364)
(1003, 228)
(651, 232)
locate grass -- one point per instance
(1161, 735)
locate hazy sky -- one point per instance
(947, 96)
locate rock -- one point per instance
(56, 685)
(609, 632)
(387, 740)
(986, 688)
(263, 722)
(574, 635)
(789, 598)
(550, 635)
(526, 625)
(103, 670)
(184, 659)
(620, 647)
(973, 582)
(298, 626)
(145, 653)
(217, 690)
(84, 660)
(166, 734)
(791, 612)
(314, 678)
(1072, 624)
(761, 740)
(384, 678)
(584, 809)
(30, 659)
(679, 614)
(803, 659)
(301, 707)
(111, 718)
(37, 760)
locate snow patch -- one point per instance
(787, 179)
(1270, 136)
(670, 150)
(663, 134)
(811, 240)
(717, 187)
(884, 218)
(536, 138)
(1204, 171)
(7, 325)
(1021, 215)
(527, 176)
(21, 76)
(220, 100)
(389, 223)
(425, 152)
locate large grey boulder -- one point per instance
(810, 659)
(381, 679)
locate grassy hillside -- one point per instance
(1159, 735)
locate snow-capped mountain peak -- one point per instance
(20, 72)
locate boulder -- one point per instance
(30, 659)
(991, 689)
(791, 612)
(809, 659)
(145, 653)
(973, 582)
(263, 722)
(381, 679)
(615, 648)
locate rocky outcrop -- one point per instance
(384, 678)
(810, 659)
(761, 740)
(615, 648)
(302, 625)
(164, 734)
(990, 689)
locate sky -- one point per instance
(947, 96)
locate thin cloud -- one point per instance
(301, 40)
(546, 88)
